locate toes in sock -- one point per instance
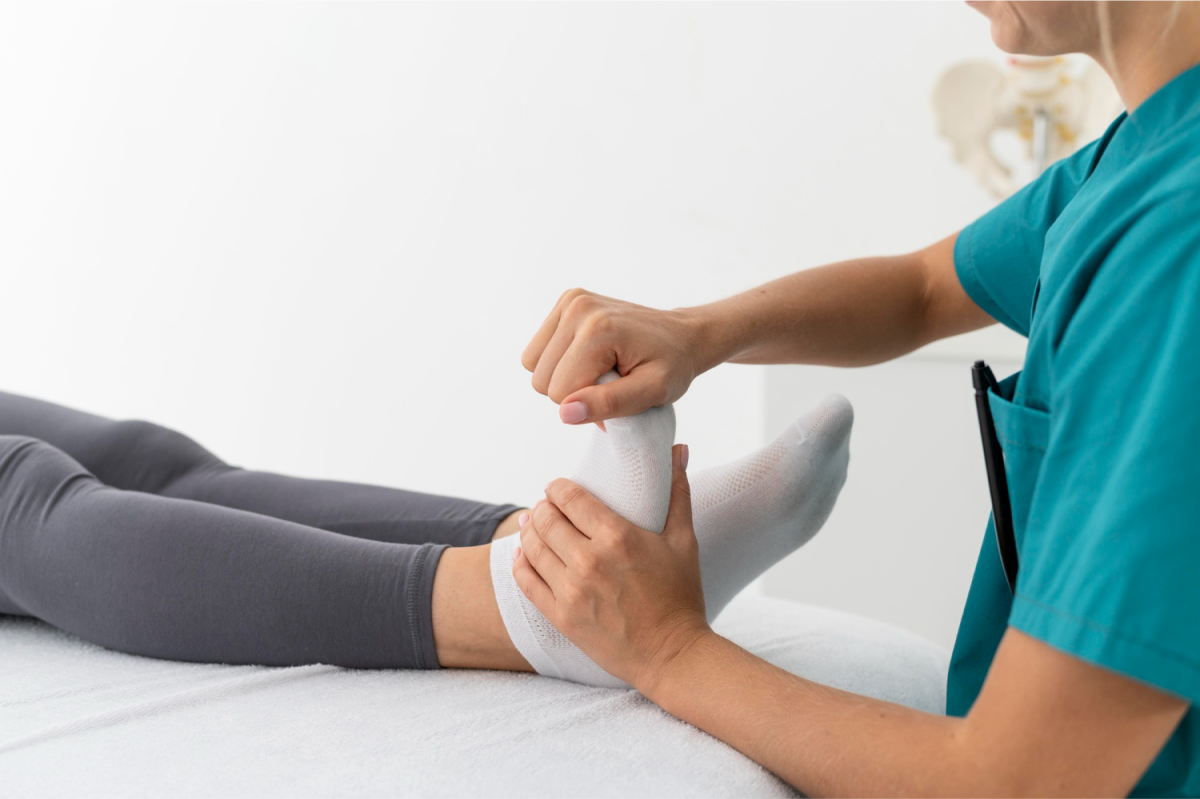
(751, 513)
(628, 468)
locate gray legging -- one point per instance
(136, 538)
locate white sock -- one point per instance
(748, 515)
(753, 512)
(628, 468)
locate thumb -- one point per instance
(678, 529)
(641, 389)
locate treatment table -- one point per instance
(79, 720)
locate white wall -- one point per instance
(902, 542)
(317, 236)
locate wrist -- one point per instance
(675, 660)
(712, 333)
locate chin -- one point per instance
(1010, 43)
(1008, 30)
(1015, 42)
(1045, 28)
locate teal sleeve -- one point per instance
(1110, 571)
(998, 257)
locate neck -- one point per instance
(1152, 43)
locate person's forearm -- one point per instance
(852, 313)
(822, 740)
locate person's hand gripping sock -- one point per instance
(628, 468)
(748, 515)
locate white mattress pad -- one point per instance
(79, 720)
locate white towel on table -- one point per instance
(79, 720)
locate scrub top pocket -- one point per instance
(1023, 433)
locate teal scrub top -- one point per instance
(1098, 263)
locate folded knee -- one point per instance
(142, 456)
(34, 477)
(21, 455)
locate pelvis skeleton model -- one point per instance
(1051, 107)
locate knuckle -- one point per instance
(571, 493)
(587, 565)
(619, 545)
(571, 294)
(599, 324)
(525, 583)
(660, 388)
(604, 404)
(614, 531)
(532, 550)
(532, 545)
(573, 596)
(543, 517)
(683, 490)
(547, 527)
(661, 394)
(580, 305)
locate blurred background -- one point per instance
(316, 237)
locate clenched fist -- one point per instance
(657, 353)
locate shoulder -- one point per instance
(1164, 229)
(1167, 173)
(1144, 218)
(1148, 273)
(998, 257)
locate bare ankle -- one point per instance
(468, 631)
(509, 525)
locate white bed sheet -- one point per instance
(79, 720)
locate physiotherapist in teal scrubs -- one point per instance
(1081, 681)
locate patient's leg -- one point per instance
(467, 627)
(145, 457)
(186, 580)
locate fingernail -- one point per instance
(524, 517)
(573, 412)
(683, 456)
(516, 553)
